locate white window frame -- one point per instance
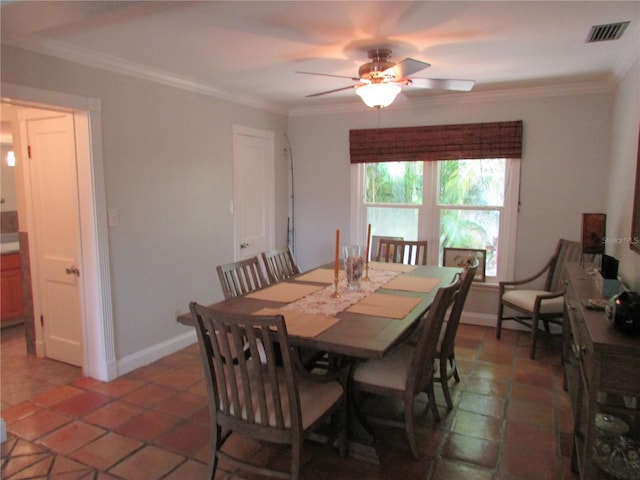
(428, 223)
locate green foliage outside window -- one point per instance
(469, 199)
(394, 182)
(471, 183)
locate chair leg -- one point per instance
(410, 427)
(452, 362)
(534, 336)
(296, 458)
(343, 412)
(444, 382)
(499, 324)
(215, 443)
(432, 402)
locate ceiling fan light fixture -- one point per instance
(378, 95)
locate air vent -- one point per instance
(612, 31)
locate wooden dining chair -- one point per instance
(241, 277)
(273, 399)
(375, 242)
(280, 264)
(546, 303)
(402, 251)
(445, 355)
(407, 369)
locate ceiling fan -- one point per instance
(379, 81)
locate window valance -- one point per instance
(437, 142)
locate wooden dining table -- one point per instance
(363, 323)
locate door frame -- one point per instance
(97, 315)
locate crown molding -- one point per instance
(117, 65)
(503, 93)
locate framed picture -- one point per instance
(461, 257)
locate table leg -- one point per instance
(361, 442)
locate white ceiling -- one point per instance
(249, 51)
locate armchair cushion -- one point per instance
(390, 372)
(525, 299)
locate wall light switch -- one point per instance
(113, 217)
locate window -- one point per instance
(452, 203)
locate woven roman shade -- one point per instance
(437, 142)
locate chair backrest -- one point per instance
(241, 277)
(280, 264)
(409, 252)
(566, 251)
(421, 372)
(375, 251)
(451, 329)
(252, 395)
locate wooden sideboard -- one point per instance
(602, 373)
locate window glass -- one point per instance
(394, 222)
(472, 182)
(394, 182)
(453, 203)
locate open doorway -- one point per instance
(96, 328)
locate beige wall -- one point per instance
(569, 155)
(168, 163)
(624, 129)
(167, 157)
(563, 169)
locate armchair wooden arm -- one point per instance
(535, 276)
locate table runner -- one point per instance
(323, 303)
(314, 300)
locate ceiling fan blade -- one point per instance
(328, 75)
(406, 67)
(329, 91)
(443, 84)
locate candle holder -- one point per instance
(335, 282)
(366, 271)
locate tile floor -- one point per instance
(511, 421)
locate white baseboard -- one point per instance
(156, 352)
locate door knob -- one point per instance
(72, 271)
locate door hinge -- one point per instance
(29, 151)
(42, 321)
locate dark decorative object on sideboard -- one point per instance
(623, 312)
(593, 232)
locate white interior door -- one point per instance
(253, 191)
(54, 189)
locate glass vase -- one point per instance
(353, 265)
